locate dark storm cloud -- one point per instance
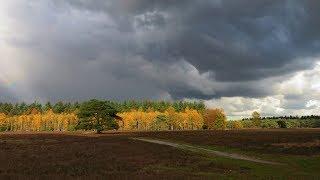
(158, 48)
(237, 40)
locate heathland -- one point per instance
(116, 155)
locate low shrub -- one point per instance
(282, 124)
(247, 124)
(234, 125)
(310, 123)
(293, 123)
(269, 124)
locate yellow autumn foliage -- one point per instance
(48, 121)
(189, 119)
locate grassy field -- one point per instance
(116, 155)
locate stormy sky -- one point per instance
(241, 55)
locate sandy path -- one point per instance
(199, 149)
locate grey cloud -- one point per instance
(124, 49)
(237, 40)
(6, 95)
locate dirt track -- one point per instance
(199, 149)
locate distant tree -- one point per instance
(215, 119)
(160, 123)
(3, 123)
(282, 124)
(172, 118)
(47, 107)
(6, 108)
(35, 107)
(16, 110)
(195, 119)
(23, 108)
(256, 119)
(267, 123)
(234, 125)
(59, 107)
(34, 111)
(97, 115)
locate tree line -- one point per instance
(287, 117)
(102, 115)
(14, 109)
(312, 121)
(35, 121)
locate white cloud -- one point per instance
(313, 104)
(238, 107)
(297, 95)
